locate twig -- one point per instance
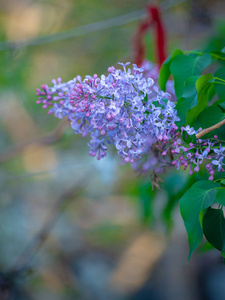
(39, 239)
(207, 130)
(48, 139)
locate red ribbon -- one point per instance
(154, 19)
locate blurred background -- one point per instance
(72, 227)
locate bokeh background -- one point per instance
(72, 227)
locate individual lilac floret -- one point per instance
(122, 108)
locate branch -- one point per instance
(207, 130)
(47, 139)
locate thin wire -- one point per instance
(86, 29)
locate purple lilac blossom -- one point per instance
(123, 108)
(148, 161)
(194, 154)
(131, 112)
(152, 71)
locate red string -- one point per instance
(154, 19)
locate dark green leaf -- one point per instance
(214, 228)
(165, 72)
(219, 55)
(199, 197)
(202, 86)
(175, 184)
(220, 89)
(201, 63)
(183, 66)
(218, 102)
(222, 105)
(188, 100)
(220, 196)
(211, 92)
(209, 117)
(146, 199)
(205, 247)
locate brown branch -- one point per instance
(207, 130)
(47, 139)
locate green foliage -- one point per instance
(176, 184)
(194, 91)
(217, 41)
(214, 228)
(183, 66)
(146, 200)
(199, 218)
(202, 86)
(220, 88)
(201, 104)
(165, 71)
(220, 196)
(196, 199)
(209, 117)
(194, 98)
(188, 99)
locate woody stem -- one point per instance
(207, 130)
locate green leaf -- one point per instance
(199, 197)
(209, 117)
(219, 55)
(188, 100)
(222, 105)
(211, 92)
(146, 200)
(175, 185)
(201, 63)
(165, 72)
(205, 247)
(202, 86)
(214, 228)
(220, 196)
(220, 89)
(183, 66)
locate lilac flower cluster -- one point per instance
(194, 154)
(152, 71)
(151, 159)
(123, 108)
